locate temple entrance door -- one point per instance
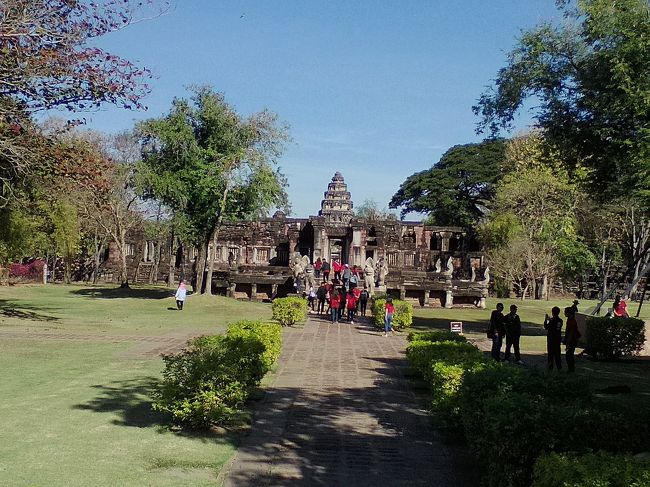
(306, 242)
(338, 249)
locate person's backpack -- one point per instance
(353, 279)
(364, 295)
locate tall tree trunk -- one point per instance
(215, 238)
(172, 261)
(124, 270)
(153, 272)
(200, 266)
(66, 269)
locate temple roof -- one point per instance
(337, 204)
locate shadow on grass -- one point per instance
(121, 293)
(130, 399)
(14, 309)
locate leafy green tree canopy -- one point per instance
(455, 190)
(591, 78)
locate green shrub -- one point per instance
(209, 381)
(614, 337)
(402, 318)
(270, 334)
(289, 311)
(435, 336)
(422, 354)
(590, 470)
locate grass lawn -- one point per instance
(77, 411)
(633, 373)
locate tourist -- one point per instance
(347, 274)
(553, 327)
(342, 292)
(317, 266)
(571, 337)
(336, 267)
(311, 298)
(388, 316)
(321, 295)
(325, 267)
(363, 301)
(512, 324)
(496, 331)
(620, 307)
(335, 300)
(181, 294)
(352, 306)
(354, 278)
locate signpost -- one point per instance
(456, 327)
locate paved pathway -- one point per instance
(340, 413)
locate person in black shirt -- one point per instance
(363, 301)
(321, 295)
(326, 270)
(497, 331)
(513, 333)
(553, 326)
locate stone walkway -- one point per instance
(340, 413)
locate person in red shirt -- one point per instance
(620, 308)
(317, 266)
(336, 267)
(335, 301)
(352, 306)
(388, 316)
(571, 337)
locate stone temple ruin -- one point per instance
(429, 265)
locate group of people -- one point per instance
(348, 298)
(509, 327)
(349, 276)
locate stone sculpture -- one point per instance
(450, 267)
(382, 271)
(310, 280)
(438, 265)
(298, 267)
(369, 275)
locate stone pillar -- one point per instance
(449, 300)
(402, 293)
(425, 301)
(274, 290)
(231, 290)
(253, 291)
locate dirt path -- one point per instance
(340, 413)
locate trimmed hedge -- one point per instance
(289, 311)
(612, 338)
(443, 365)
(209, 381)
(590, 470)
(435, 336)
(402, 318)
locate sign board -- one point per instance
(456, 326)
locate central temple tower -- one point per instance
(337, 205)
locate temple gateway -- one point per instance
(260, 260)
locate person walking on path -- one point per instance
(347, 274)
(497, 331)
(181, 295)
(571, 337)
(512, 324)
(388, 316)
(363, 301)
(311, 299)
(321, 295)
(342, 302)
(553, 327)
(352, 306)
(317, 266)
(335, 299)
(326, 270)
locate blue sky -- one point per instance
(375, 89)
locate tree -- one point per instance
(591, 76)
(533, 218)
(208, 164)
(456, 189)
(369, 210)
(46, 62)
